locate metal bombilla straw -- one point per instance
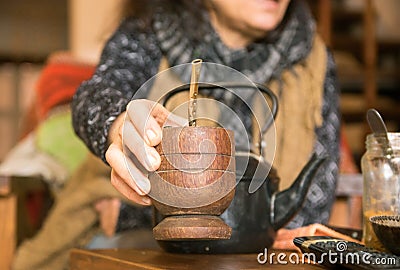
(193, 91)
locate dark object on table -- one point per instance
(387, 229)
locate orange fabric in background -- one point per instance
(58, 82)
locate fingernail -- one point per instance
(152, 160)
(146, 200)
(144, 187)
(151, 136)
(139, 190)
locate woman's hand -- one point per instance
(108, 209)
(140, 128)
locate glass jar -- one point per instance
(381, 193)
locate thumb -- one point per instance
(165, 117)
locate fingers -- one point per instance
(132, 153)
(126, 172)
(126, 190)
(145, 154)
(148, 117)
(174, 120)
(138, 174)
(141, 114)
(165, 117)
(108, 213)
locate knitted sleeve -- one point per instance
(129, 59)
(321, 195)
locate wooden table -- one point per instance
(113, 259)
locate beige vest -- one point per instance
(300, 112)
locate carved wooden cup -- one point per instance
(194, 184)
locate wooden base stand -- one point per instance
(192, 227)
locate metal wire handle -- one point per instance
(262, 88)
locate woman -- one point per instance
(273, 42)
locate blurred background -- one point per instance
(364, 35)
(32, 31)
